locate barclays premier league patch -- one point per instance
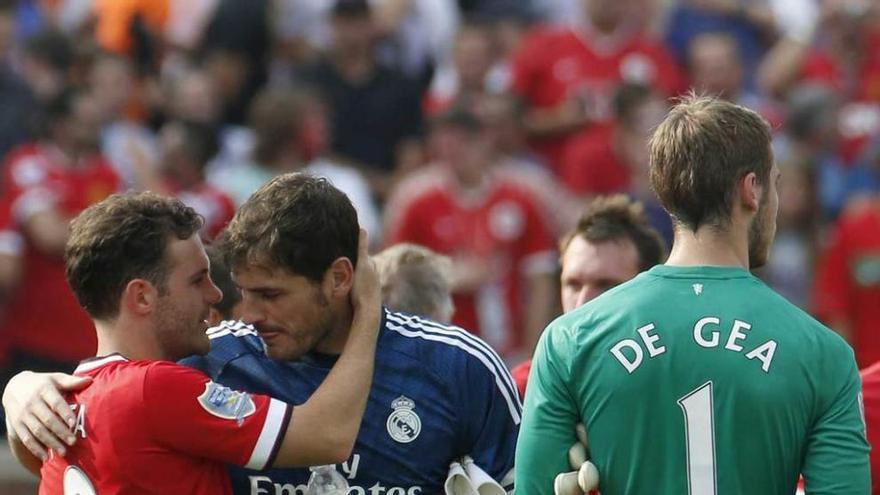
(226, 403)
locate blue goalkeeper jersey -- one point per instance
(438, 394)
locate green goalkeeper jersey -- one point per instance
(695, 380)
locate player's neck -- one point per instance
(335, 341)
(129, 340)
(708, 246)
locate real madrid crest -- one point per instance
(403, 423)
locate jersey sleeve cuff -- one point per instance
(274, 430)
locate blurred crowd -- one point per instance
(477, 128)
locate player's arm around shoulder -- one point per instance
(38, 417)
(323, 430)
(836, 460)
(550, 414)
(188, 413)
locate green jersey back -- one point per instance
(696, 380)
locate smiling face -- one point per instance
(183, 306)
(292, 314)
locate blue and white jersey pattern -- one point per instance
(438, 393)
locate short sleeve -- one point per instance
(189, 413)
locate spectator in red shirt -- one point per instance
(842, 53)
(611, 244)
(567, 75)
(846, 292)
(493, 228)
(46, 184)
(609, 161)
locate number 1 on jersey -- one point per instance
(699, 428)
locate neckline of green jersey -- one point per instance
(701, 271)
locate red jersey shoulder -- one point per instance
(166, 382)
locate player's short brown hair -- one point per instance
(698, 154)
(123, 238)
(616, 218)
(297, 222)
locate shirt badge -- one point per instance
(226, 403)
(403, 423)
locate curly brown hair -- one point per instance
(122, 238)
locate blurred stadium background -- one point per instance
(513, 113)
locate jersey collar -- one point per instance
(96, 362)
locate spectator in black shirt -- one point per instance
(376, 111)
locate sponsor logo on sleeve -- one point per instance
(226, 403)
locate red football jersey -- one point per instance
(44, 318)
(555, 64)
(155, 427)
(502, 225)
(871, 397)
(847, 282)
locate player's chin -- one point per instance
(283, 350)
(201, 344)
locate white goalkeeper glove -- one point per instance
(585, 476)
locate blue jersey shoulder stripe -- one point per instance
(460, 333)
(231, 327)
(512, 400)
(433, 327)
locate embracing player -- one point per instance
(438, 393)
(147, 425)
(695, 377)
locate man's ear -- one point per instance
(339, 277)
(139, 297)
(750, 192)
